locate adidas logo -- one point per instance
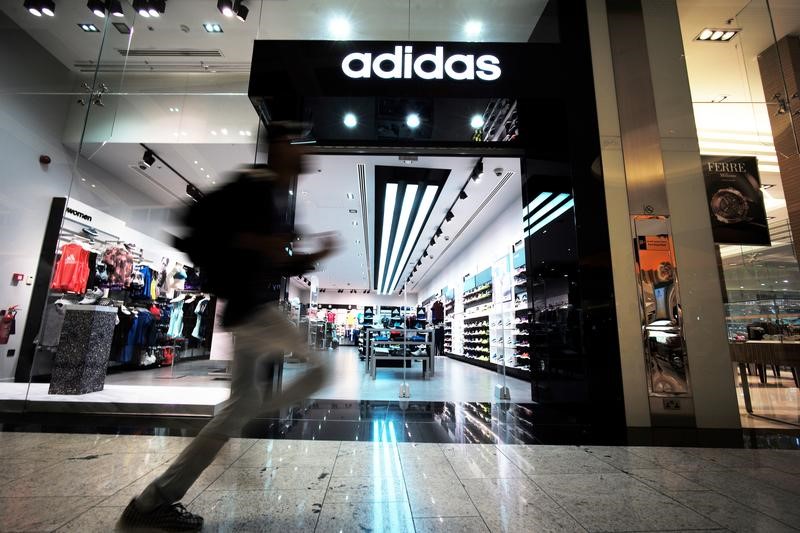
(401, 64)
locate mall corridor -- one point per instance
(81, 483)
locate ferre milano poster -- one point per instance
(735, 202)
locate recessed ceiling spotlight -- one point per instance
(473, 28)
(97, 7)
(339, 28)
(350, 120)
(224, 131)
(766, 186)
(351, 196)
(352, 211)
(721, 35)
(88, 28)
(213, 132)
(226, 7)
(212, 27)
(476, 122)
(412, 120)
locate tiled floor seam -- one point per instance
(759, 511)
(325, 494)
(466, 492)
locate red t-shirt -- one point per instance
(72, 269)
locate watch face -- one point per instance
(729, 206)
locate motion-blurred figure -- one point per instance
(239, 238)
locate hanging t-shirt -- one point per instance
(120, 261)
(175, 320)
(331, 317)
(72, 269)
(437, 311)
(50, 332)
(199, 331)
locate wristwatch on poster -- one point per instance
(729, 206)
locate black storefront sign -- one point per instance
(735, 202)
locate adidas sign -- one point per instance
(401, 64)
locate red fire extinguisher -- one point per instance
(8, 323)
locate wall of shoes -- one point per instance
(487, 320)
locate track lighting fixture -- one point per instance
(37, 8)
(226, 7)
(97, 7)
(156, 7)
(438, 232)
(241, 10)
(147, 160)
(142, 8)
(462, 195)
(115, 8)
(433, 241)
(425, 253)
(477, 172)
(449, 216)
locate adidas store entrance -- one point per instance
(458, 176)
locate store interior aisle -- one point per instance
(454, 381)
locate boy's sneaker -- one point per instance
(172, 517)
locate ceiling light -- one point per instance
(351, 196)
(389, 199)
(721, 35)
(122, 27)
(115, 8)
(339, 28)
(425, 253)
(449, 216)
(88, 27)
(225, 7)
(473, 28)
(37, 8)
(433, 241)
(33, 8)
(412, 120)
(438, 232)
(141, 7)
(476, 122)
(147, 159)
(350, 120)
(224, 131)
(409, 196)
(212, 27)
(97, 7)
(241, 11)
(462, 195)
(425, 206)
(156, 7)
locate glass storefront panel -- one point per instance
(159, 113)
(743, 99)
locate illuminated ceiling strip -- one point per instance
(422, 214)
(551, 217)
(405, 213)
(531, 206)
(388, 209)
(547, 208)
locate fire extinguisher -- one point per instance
(8, 323)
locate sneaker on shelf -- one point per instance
(92, 296)
(171, 517)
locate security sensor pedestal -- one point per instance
(502, 393)
(405, 390)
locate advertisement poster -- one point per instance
(735, 202)
(663, 321)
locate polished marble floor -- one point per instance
(71, 482)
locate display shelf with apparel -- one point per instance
(100, 267)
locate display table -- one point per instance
(428, 359)
(778, 353)
(80, 364)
